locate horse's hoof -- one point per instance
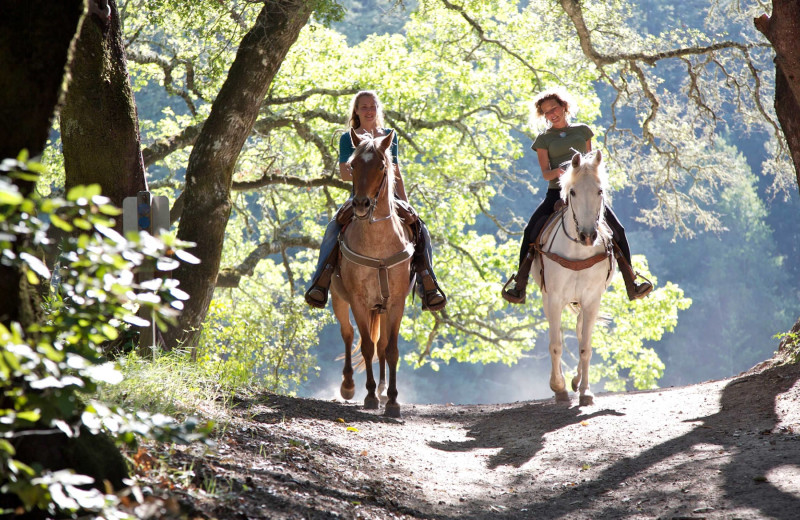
(384, 399)
(586, 400)
(392, 410)
(347, 392)
(562, 397)
(371, 403)
(575, 381)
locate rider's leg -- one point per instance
(622, 252)
(514, 289)
(433, 298)
(317, 293)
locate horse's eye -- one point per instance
(599, 192)
(572, 193)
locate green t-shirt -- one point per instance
(562, 143)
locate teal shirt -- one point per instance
(346, 147)
(561, 144)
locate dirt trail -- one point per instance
(722, 449)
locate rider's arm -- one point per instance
(345, 172)
(399, 186)
(544, 164)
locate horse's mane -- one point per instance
(368, 145)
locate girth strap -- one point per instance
(381, 264)
(577, 265)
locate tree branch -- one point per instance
(230, 277)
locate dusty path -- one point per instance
(726, 449)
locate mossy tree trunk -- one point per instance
(99, 125)
(209, 173)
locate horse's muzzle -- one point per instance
(587, 239)
(361, 206)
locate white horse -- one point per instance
(575, 266)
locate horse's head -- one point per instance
(373, 171)
(583, 187)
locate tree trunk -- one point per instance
(783, 32)
(35, 42)
(210, 170)
(787, 108)
(99, 125)
(36, 38)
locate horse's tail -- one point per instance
(604, 319)
(359, 365)
(375, 327)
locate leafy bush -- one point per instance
(50, 367)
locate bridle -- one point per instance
(575, 219)
(373, 201)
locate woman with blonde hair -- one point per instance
(366, 116)
(555, 148)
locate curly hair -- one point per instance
(560, 96)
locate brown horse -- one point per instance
(374, 270)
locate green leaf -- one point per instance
(7, 447)
(60, 223)
(10, 198)
(31, 416)
(35, 264)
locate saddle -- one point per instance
(403, 209)
(409, 218)
(550, 225)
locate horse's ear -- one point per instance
(386, 141)
(354, 137)
(576, 160)
(598, 157)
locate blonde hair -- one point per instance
(353, 121)
(557, 94)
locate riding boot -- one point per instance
(317, 294)
(516, 293)
(635, 290)
(433, 298)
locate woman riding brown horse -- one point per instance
(374, 271)
(366, 119)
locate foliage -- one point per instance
(246, 344)
(790, 345)
(51, 369)
(738, 281)
(459, 101)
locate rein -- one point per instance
(381, 264)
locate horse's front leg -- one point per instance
(382, 343)
(552, 310)
(588, 316)
(392, 408)
(341, 309)
(366, 322)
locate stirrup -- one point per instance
(435, 307)
(647, 284)
(319, 304)
(509, 297)
(427, 295)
